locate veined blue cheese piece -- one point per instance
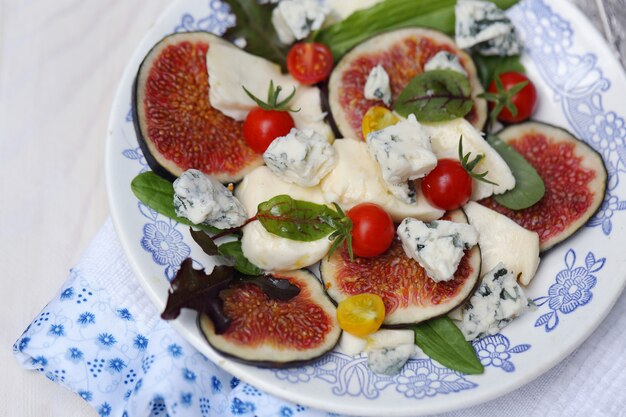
(295, 19)
(389, 361)
(202, 199)
(377, 85)
(443, 60)
(482, 25)
(497, 301)
(302, 157)
(437, 246)
(403, 152)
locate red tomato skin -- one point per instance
(448, 186)
(525, 100)
(309, 63)
(261, 127)
(372, 230)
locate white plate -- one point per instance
(581, 87)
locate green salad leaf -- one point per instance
(442, 341)
(254, 24)
(389, 15)
(529, 187)
(158, 194)
(435, 96)
(490, 66)
(233, 251)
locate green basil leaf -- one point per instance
(242, 264)
(297, 220)
(435, 96)
(490, 66)
(158, 194)
(389, 15)
(442, 341)
(529, 187)
(254, 24)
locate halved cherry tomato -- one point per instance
(261, 127)
(309, 63)
(448, 186)
(525, 100)
(361, 314)
(377, 118)
(372, 230)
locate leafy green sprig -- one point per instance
(272, 102)
(502, 98)
(469, 165)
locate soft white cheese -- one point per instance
(302, 157)
(357, 178)
(340, 9)
(482, 25)
(229, 70)
(377, 85)
(264, 249)
(443, 60)
(437, 246)
(295, 19)
(497, 301)
(403, 151)
(202, 199)
(503, 240)
(389, 361)
(444, 138)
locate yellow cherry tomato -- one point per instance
(377, 118)
(361, 314)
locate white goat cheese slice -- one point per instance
(497, 301)
(444, 60)
(340, 9)
(377, 85)
(437, 246)
(482, 25)
(357, 178)
(389, 361)
(302, 157)
(202, 199)
(264, 249)
(295, 19)
(229, 70)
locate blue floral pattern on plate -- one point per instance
(571, 290)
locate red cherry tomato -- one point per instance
(525, 100)
(372, 229)
(261, 127)
(309, 63)
(448, 186)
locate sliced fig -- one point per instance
(403, 53)
(574, 176)
(410, 296)
(177, 129)
(274, 333)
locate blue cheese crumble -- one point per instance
(202, 199)
(302, 157)
(295, 19)
(389, 361)
(377, 85)
(444, 60)
(481, 25)
(497, 301)
(403, 152)
(437, 246)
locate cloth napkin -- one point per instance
(103, 339)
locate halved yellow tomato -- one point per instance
(377, 118)
(361, 314)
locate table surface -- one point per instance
(56, 89)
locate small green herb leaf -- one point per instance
(441, 340)
(435, 96)
(158, 194)
(529, 187)
(253, 25)
(490, 66)
(272, 99)
(503, 98)
(470, 165)
(242, 264)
